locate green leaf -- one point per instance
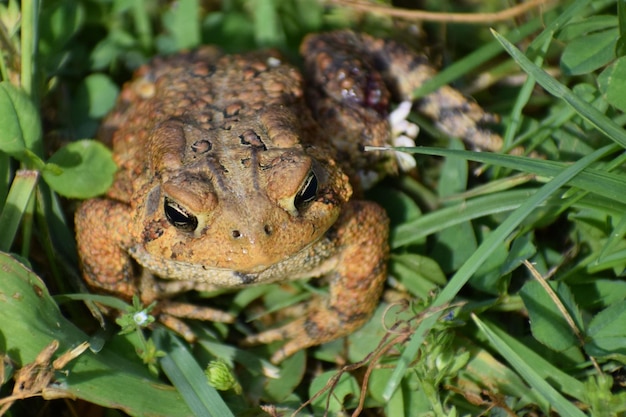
(182, 25)
(620, 48)
(607, 331)
(333, 399)
(21, 128)
(94, 98)
(268, 29)
(521, 250)
(578, 29)
(292, 370)
(30, 320)
(616, 84)
(600, 292)
(58, 24)
(588, 53)
(454, 245)
(454, 173)
(87, 169)
(546, 321)
(419, 274)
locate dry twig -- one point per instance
(470, 18)
(36, 378)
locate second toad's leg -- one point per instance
(350, 70)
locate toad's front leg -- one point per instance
(103, 242)
(356, 282)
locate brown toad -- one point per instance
(234, 171)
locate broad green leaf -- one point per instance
(607, 331)
(600, 292)
(409, 401)
(21, 128)
(546, 321)
(333, 400)
(94, 98)
(108, 50)
(521, 250)
(59, 23)
(99, 93)
(419, 274)
(87, 169)
(588, 53)
(454, 173)
(454, 245)
(268, 29)
(30, 320)
(616, 84)
(367, 339)
(182, 25)
(578, 29)
(292, 370)
(620, 48)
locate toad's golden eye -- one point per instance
(307, 192)
(178, 216)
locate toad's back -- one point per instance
(230, 103)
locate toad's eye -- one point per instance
(307, 192)
(178, 216)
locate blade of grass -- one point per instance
(537, 381)
(569, 385)
(593, 180)
(106, 300)
(142, 24)
(29, 31)
(493, 240)
(183, 370)
(5, 177)
(16, 204)
(430, 223)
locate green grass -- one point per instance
(463, 329)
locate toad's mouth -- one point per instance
(312, 260)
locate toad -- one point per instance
(238, 170)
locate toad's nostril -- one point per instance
(236, 234)
(267, 229)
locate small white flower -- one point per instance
(273, 62)
(141, 317)
(403, 133)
